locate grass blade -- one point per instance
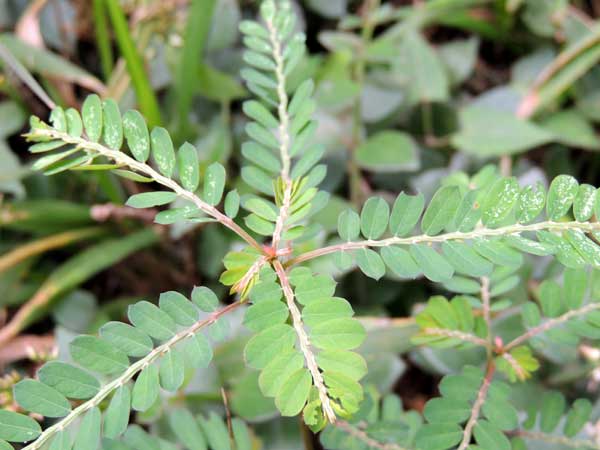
(141, 84)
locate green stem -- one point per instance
(454, 236)
(550, 324)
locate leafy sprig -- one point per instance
(175, 324)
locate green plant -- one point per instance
(475, 232)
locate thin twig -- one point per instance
(456, 235)
(467, 337)
(550, 324)
(126, 376)
(479, 401)
(305, 345)
(562, 440)
(124, 159)
(284, 137)
(362, 436)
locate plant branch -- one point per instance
(485, 301)
(305, 346)
(126, 376)
(467, 337)
(362, 436)
(479, 401)
(550, 324)
(456, 235)
(125, 160)
(562, 440)
(284, 137)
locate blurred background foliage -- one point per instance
(410, 94)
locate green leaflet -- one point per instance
(216, 431)
(465, 260)
(58, 119)
(531, 203)
(151, 320)
(112, 127)
(342, 334)
(348, 225)
(88, 434)
(264, 314)
(74, 122)
(198, 351)
(434, 266)
(439, 436)
(561, 195)
(179, 308)
(497, 252)
(262, 208)
(189, 166)
(550, 298)
(187, 430)
(136, 134)
(551, 411)
(577, 416)
(171, 370)
(135, 437)
(349, 363)
(263, 347)
(499, 201)
(145, 389)
(205, 299)
(279, 370)
(214, 183)
(574, 287)
(126, 338)
(91, 114)
(98, 355)
(326, 309)
(62, 441)
(293, 394)
(374, 218)
(69, 380)
(232, 204)
(468, 213)
(400, 262)
(16, 427)
(444, 410)
(583, 206)
(261, 156)
(370, 263)
(441, 210)
(42, 399)
(150, 199)
(116, 417)
(406, 212)
(163, 151)
(255, 110)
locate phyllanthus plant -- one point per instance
(474, 233)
